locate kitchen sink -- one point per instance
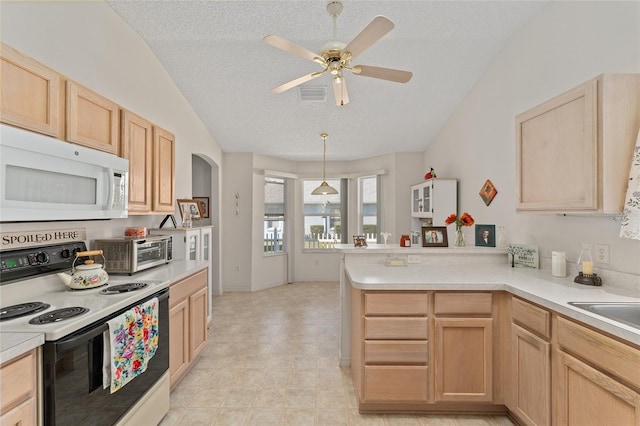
(624, 312)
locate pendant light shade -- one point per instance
(324, 188)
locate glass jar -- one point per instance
(405, 241)
(585, 265)
(459, 241)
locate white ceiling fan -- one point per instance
(336, 56)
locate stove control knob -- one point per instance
(42, 257)
(65, 253)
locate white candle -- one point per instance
(587, 268)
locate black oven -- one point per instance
(72, 374)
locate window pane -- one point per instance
(322, 216)
(369, 207)
(274, 214)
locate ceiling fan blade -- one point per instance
(297, 81)
(340, 91)
(291, 47)
(398, 76)
(373, 32)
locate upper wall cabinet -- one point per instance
(92, 120)
(31, 94)
(434, 199)
(137, 147)
(163, 170)
(150, 151)
(573, 152)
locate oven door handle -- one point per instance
(76, 340)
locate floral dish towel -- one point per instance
(129, 344)
(630, 224)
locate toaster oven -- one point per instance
(128, 255)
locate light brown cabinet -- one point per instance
(163, 170)
(389, 361)
(529, 396)
(463, 342)
(596, 378)
(32, 95)
(573, 152)
(137, 147)
(150, 151)
(187, 324)
(18, 397)
(92, 119)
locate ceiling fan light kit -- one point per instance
(336, 56)
(324, 188)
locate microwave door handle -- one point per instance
(111, 188)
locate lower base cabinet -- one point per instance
(586, 397)
(187, 323)
(18, 404)
(395, 383)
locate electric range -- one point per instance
(73, 354)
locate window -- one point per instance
(274, 214)
(368, 207)
(324, 215)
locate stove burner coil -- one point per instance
(21, 310)
(58, 315)
(123, 288)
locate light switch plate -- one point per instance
(413, 258)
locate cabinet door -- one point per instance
(530, 378)
(137, 147)
(205, 254)
(163, 170)
(198, 321)
(584, 396)
(463, 359)
(427, 200)
(416, 201)
(92, 119)
(32, 95)
(25, 414)
(178, 340)
(192, 238)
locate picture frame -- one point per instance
(203, 202)
(485, 235)
(434, 236)
(488, 192)
(359, 241)
(192, 206)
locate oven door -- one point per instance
(72, 375)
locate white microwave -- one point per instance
(44, 179)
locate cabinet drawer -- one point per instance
(395, 328)
(602, 351)
(395, 383)
(17, 380)
(463, 303)
(395, 352)
(531, 317)
(404, 303)
(187, 287)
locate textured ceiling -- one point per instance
(214, 52)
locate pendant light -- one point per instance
(324, 188)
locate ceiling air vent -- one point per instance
(312, 93)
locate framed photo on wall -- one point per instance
(485, 235)
(434, 236)
(203, 202)
(191, 206)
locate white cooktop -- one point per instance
(50, 290)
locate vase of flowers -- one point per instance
(463, 220)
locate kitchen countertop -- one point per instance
(16, 344)
(535, 285)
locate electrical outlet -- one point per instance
(602, 253)
(413, 258)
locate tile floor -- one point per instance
(272, 359)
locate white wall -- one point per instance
(565, 45)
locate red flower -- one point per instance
(136, 365)
(464, 220)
